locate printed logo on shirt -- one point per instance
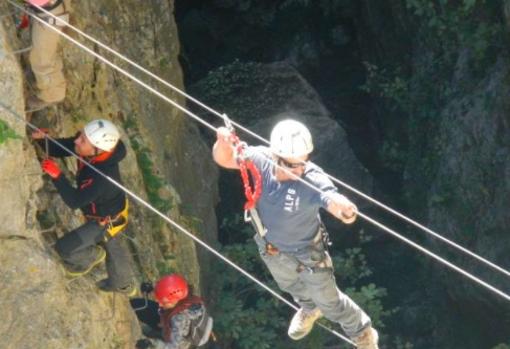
(291, 203)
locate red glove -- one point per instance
(50, 167)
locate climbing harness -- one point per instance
(318, 246)
(56, 20)
(318, 249)
(114, 225)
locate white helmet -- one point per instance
(102, 134)
(291, 139)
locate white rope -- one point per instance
(170, 221)
(109, 63)
(427, 252)
(253, 134)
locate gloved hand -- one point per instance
(146, 287)
(144, 344)
(50, 167)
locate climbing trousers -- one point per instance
(308, 276)
(45, 60)
(78, 250)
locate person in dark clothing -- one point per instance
(104, 205)
(178, 320)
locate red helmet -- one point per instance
(171, 289)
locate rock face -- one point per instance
(165, 165)
(168, 149)
(458, 177)
(468, 200)
(40, 307)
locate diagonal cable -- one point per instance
(170, 221)
(262, 139)
(205, 123)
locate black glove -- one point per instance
(146, 287)
(144, 344)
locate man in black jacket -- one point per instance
(103, 205)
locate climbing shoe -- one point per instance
(105, 286)
(302, 322)
(367, 339)
(73, 272)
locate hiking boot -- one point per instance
(105, 286)
(368, 339)
(100, 256)
(302, 322)
(34, 103)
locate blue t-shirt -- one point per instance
(289, 210)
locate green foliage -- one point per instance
(251, 318)
(77, 117)
(7, 133)
(369, 299)
(399, 343)
(456, 42)
(164, 62)
(388, 85)
(166, 266)
(230, 88)
(351, 266)
(469, 23)
(153, 182)
(502, 346)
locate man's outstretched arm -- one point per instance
(342, 208)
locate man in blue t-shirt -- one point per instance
(290, 231)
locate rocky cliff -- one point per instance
(165, 163)
(450, 89)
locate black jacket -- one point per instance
(94, 195)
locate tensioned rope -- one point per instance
(169, 220)
(253, 134)
(130, 76)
